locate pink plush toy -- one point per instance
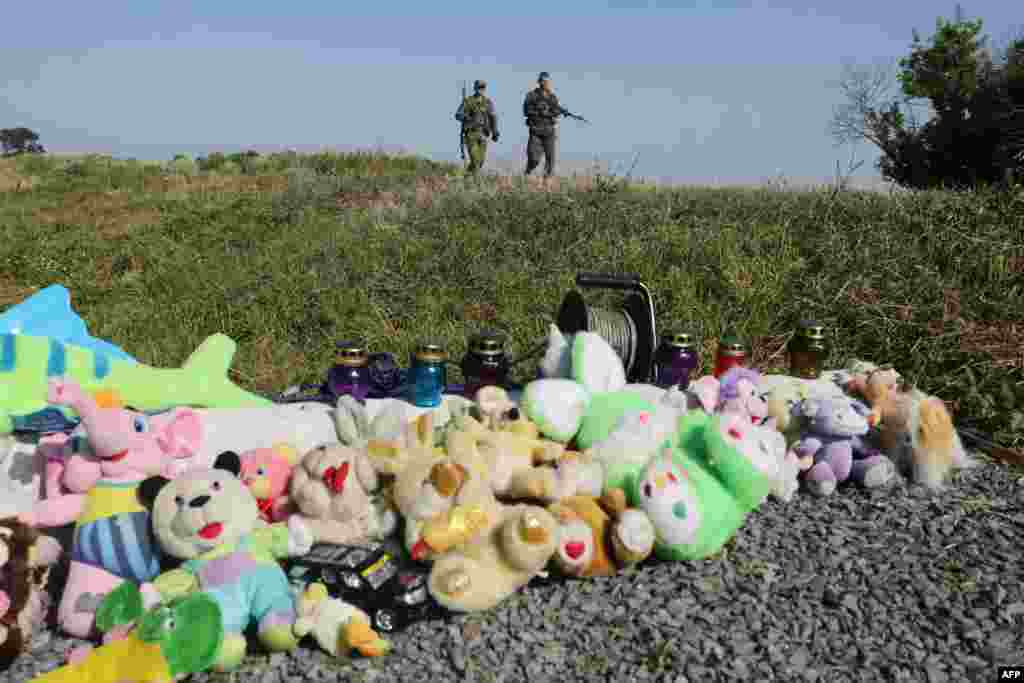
(735, 393)
(113, 540)
(267, 472)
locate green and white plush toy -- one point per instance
(699, 490)
(582, 394)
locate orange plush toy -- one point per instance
(267, 473)
(916, 430)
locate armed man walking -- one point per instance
(541, 109)
(479, 122)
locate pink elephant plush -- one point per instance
(113, 540)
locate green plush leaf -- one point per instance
(194, 635)
(121, 606)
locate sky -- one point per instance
(691, 92)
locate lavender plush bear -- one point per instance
(831, 449)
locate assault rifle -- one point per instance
(565, 112)
(462, 124)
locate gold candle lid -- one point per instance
(732, 345)
(812, 329)
(681, 340)
(487, 343)
(430, 352)
(350, 353)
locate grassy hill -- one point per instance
(288, 253)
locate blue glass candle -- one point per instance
(351, 373)
(428, 375)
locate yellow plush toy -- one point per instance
(337, 626)
(482, 550)
(522, 465)
(599, 536)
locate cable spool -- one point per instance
(629, 330)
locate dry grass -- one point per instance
(12, 291)
(109, 213)
(11, 180)
(216, 183)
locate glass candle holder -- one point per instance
(350, 374)
(428, 375)
(732, 352)
(485, 363)
(675, 361)
(808, 350)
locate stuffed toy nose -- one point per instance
(575, 549)
(447, 478)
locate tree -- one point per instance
(974, 134)
(20, 141)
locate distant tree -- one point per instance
(975, 133)
(20, 141)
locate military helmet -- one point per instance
(479, 85)
(544, 76)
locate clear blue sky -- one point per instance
(700, 91)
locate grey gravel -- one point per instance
(893, 585)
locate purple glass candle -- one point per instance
(675, 361)
(485, 363)
(351, 373)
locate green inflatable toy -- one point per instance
(27, 363)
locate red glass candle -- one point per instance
(731, 353)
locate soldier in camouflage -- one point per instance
(479, 122)
(541, 109)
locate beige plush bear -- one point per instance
(334, 489)
(520, 464)
(482, 550)
(598, 536)
(914, 429)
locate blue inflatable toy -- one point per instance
(47, 313)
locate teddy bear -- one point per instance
(208, 519)
(736, 392)
(267, 472)
(914, 429)
(520, 465)
(26, 557)
(337, 626)
(698, 489)
(112, 541)
(832, 448)
(599, 536)
(481, 550)
(335, 489)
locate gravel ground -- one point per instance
(892, 585)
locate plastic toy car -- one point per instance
(374, 578)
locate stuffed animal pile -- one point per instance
(186, 519)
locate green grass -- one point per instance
(292, 253)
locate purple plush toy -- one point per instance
(831, 449)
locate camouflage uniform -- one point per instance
(479, 122)
(541, 110)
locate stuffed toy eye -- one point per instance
(216, 486)
(261, 472)
(178, 500)
(139, 424)
(647, 490)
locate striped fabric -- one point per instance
(122, 545)
(56, 362)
